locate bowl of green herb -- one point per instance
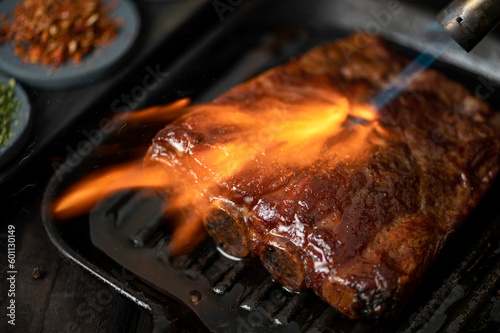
(15, 113)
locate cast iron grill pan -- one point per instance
(125, 237)
(122, 241)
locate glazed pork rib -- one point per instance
(332, 195)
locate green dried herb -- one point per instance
(8, 104)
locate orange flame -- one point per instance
(80, 198)
(163, 113)
(269, 134)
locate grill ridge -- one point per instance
(292, 307)
(231, 277)
(207, 256)
(257, 294)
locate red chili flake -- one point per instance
(50, 32)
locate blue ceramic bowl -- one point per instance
(70, 74)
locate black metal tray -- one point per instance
(205, 291)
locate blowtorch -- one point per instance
(469, 21)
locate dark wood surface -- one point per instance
(64, 298)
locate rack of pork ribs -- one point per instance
(334, 195)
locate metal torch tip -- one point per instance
(469, 21)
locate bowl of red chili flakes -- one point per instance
(58, 44)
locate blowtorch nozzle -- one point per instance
(469, 21)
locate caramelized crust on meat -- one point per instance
(359, 226)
